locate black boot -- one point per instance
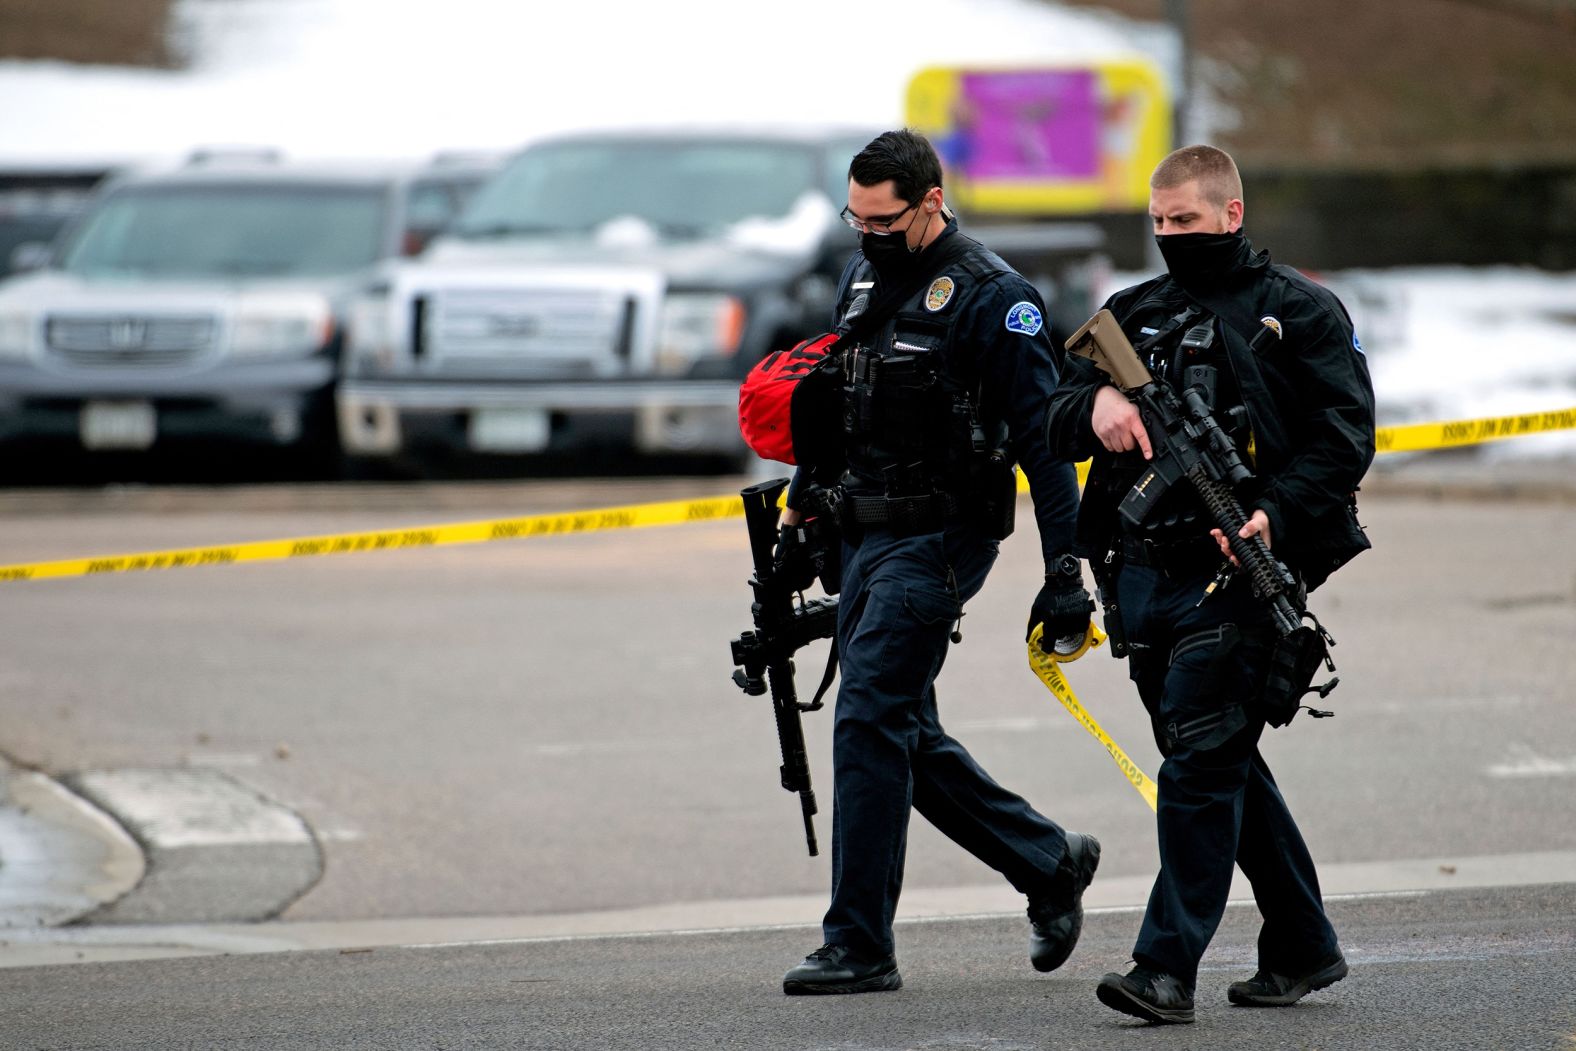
(1268, 989)
(835, 969)
(1145, 993)
(1056, 918)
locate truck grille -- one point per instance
(546, 334)
(119, 340)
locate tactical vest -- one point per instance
(912, 413)
(1191, 353)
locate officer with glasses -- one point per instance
(934, 410)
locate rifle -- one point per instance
(782, 627)
(1192, 445)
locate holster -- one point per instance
(998, 496)
(1293, 663)
(1105, 575)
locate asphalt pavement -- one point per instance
(504, 795)
(1490, 970)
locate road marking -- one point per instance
(1528, 763)
(1410, 706)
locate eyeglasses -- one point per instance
(880, 226)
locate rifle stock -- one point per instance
(1102, 341)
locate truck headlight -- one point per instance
(281, 328)
(369, 330)
(16, 333)
(696, 326)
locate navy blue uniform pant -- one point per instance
(900, 600)
(1198, 669)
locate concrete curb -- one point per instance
(217, 851)
(1122, 894)
(61, 857)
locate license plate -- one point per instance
(118, 424)
(509, 430)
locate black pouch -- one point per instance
(1111, 610)
(1293, 663)
(828, 540)
(998, 496)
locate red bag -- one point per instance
(766, 412)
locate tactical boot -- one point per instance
(835, 969)
(1144, 993)
(1268, 989)
(1056, 917)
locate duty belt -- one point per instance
(905, 515)
(1180, 557)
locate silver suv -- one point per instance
(207, 301)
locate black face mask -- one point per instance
(888, 253)
(1201, 259)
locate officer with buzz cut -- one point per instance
(931, 413)
(1276, 356)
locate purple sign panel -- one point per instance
(1030, 126)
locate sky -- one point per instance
(332, 78)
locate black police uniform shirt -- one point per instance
(1309, 402)
(1002, 326)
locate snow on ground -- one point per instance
(1457, 343)
(1450, 343)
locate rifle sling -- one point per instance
(1236, 318)
(826, 680)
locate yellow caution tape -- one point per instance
(1049, 671)
(1081, 467)
(634, 516)
(1414, 437)
(1406, 438)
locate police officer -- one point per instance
(933, 410)
(1289, 378)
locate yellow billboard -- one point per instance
(1045, 139)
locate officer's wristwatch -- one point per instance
(1063, 568)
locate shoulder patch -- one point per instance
(1271, 322)
(1024, 318)
(1357, 345)
(939, 293)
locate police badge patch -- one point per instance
(1024, 318)
(939, 294)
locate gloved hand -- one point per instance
(1065, 608)
(797, 559)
